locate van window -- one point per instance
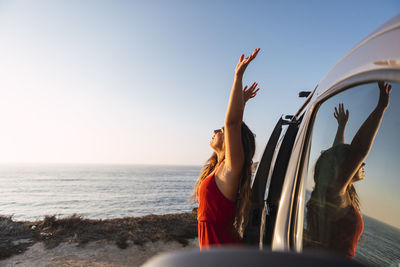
(351, 189)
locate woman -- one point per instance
(223, 188)
(334, 222)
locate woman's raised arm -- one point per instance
(234, 156)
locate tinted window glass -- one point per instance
(351, 199)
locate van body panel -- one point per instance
(377, 57)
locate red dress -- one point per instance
(345, 233)
(215, 216)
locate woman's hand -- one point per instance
(341, 116)
(250, 92)
(384, 95)
(244, 62)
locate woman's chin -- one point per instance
(358, 179)
(212, 146)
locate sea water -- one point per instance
(29, 192)
(379, 244)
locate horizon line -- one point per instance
(95, 163)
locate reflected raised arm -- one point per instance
(364, 138)
(342, 118)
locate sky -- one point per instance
(147, 82)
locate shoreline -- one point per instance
(65, 238)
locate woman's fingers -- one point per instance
(252, 56)
(244, 62)
(341, 110)
(250, 92)
(241, 58)
(340, 114)
(251, 88)
(388, 87)
(255, 52)
(381, 84)
(384, 86)
(254, 93)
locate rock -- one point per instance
(46, 235)
(21, 241)
(194, 211)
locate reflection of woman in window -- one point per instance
(223, 188)
(334, 222)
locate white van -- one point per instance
(326, 187)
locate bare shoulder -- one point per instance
(227, 181)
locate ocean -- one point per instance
(29, 192)
(379, 244)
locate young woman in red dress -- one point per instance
(223, 188)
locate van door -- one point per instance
(269, 178)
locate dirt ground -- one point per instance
(76, 241)
(98, 253)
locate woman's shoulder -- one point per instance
(227, 183)
(337, 150)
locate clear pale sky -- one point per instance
(148, 81)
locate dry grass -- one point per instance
(10, 233)
(123, 231)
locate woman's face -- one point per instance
(360, 174)
(217, 141)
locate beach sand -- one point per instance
(77, 241)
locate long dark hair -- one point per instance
(319, 206)
(243, 200)
(328, 166)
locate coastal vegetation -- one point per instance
(17, 236)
